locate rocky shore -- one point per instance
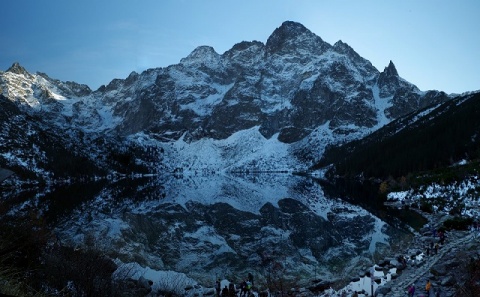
(444, 263)
(446, 268)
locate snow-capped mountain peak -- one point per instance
(292, 86)
(292, 37)
(18, 69)
(202, 55)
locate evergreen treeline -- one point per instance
(446, 135)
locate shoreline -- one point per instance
(459, 247)
(391, 279)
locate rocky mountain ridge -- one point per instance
(294, 88)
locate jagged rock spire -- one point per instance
(390, 70)
(288, 30)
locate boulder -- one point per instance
(4, 174)
(439, 270)
(383, 263)
(320, 286)
(448, 281)
(209, 292)
(395, 263)
(383, 290)
(145, 283)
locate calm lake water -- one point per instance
(280, 227)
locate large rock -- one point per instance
(383, 290)
(4, 174)
(439, 269)
(448, 281)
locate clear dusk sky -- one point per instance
(435, 44)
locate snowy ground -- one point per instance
(464, 197)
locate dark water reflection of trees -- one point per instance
(367, 195)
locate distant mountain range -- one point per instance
(257, 107)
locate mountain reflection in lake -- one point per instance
(273, 225)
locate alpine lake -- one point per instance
(285, 229)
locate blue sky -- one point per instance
(434, 44)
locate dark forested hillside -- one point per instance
(418, 142)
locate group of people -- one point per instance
(428, 289)
(440, 234)
(231, 290)
(433, 247)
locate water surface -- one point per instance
(280, 227)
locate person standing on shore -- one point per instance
(411, 290)
(250, 278)
(427, 287)
(218, 287)
(231, 290)
(225, 292)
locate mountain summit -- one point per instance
(18, 69)
(292, 37)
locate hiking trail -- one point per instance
(419, 273)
